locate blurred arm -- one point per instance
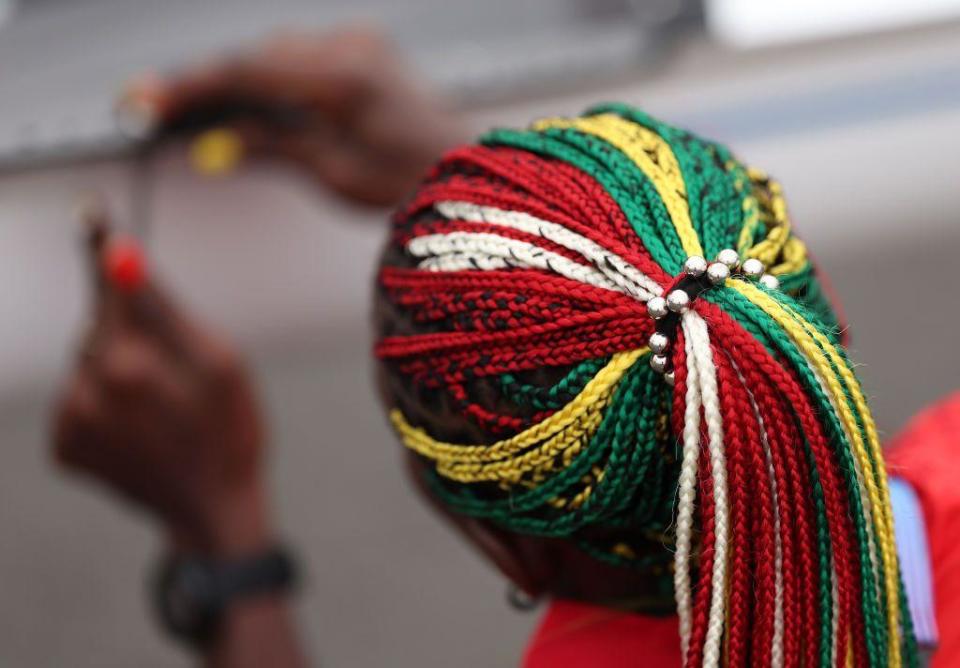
(340, 106)
(162, 412)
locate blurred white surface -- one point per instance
(752, 23)
(287, 271)
(65, 60)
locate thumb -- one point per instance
(137, 303)
(93, 216)
(112, 267)
(125, 296)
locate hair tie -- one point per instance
(697, 277)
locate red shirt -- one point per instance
(926, 455)
(577, 635)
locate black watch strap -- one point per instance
(269, 572)
(192, 593)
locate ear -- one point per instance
(507, 551)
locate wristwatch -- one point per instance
(191, 593)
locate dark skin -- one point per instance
(363, 126)
(159, 407)
(161, 411)
(538, 566)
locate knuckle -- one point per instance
(78, 406)
(77, 423)
(224, 364)
(67, 454)
(125, 370)
(77, 414)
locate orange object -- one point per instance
(216, 152)
(125, 265)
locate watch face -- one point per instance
(188, 598)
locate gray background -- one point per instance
(863, 134)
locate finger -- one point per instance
(132, 302)
(327, 72)
(123, 270)
(77, 419)
(116, 264)
(94, 218)
(192, 351)
(220, 151)
(95, 222)
(351, 170)
(203, 95)
(149, 312)
(133, 368)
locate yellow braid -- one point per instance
(508, 460)
(768, 203)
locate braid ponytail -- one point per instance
(621, 316)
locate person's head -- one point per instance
(615, 370)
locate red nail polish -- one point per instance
(125, 265)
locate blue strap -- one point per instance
(914, 552)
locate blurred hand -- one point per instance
(364, 127)
(161, 410)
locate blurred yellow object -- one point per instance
(216, 152)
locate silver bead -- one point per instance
(657, 307)
(718, 273)
(678, 301)
(729, 257)
(659, 363)
(670, 377)
(695, 265)
(752, 268)
(770, 282)
(659, 343)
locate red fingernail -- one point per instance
(125, 265)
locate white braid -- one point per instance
(463, 261)
(482, 246)
(776, 650)
(835, 600)
(695, 331)
(686, 495)
(612, 265)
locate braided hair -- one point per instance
(549, 290)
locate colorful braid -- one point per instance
(538, 270)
